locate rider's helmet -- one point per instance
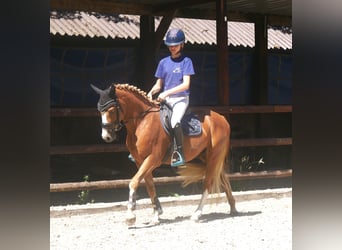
(174, 37)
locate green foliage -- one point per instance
(84, 195)
(247, 165)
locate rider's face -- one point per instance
(175, 50)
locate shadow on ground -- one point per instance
(205, 218)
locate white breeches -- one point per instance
(179, 106)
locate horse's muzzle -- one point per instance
(108, 133)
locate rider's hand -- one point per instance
(162, 96)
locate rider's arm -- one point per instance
(156, 88)
(185, 85)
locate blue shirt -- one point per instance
(172, 72)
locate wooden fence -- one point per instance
(101, 148)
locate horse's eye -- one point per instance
(111, 110)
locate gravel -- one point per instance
(264, 222)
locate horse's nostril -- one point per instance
(107, 138)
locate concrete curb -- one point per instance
(73, 210)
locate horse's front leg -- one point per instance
(132, 200)
(157, 209)
(145, 169)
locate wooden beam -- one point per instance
(115, 148)
(222, 53)
(74, 112)
(101, 6)
(260, 175)
(87, 149)
(163, 27)
(235, 143)
(277, 20)
(246, 109)
(112, 184)
(235, 16)
(90, 112)
(162, 8)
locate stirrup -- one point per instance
(130, 157)
(174, 162)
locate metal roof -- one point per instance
(279, 12)
(198, 31)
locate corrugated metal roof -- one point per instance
(198, 31)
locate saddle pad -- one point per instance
(191, 125)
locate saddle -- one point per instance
(190, 123)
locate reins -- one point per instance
(142, 114)
(117, 125)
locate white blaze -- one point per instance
(104, 133)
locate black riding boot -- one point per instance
(177, 158)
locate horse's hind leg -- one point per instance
(228, 190)
(197, 214)
(151, 190)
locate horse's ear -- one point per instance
(96, 89)
(112, 91)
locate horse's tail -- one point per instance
(196, 171)
(216, 174)
(192, 173)
(213, 169)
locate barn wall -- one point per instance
(73, 68)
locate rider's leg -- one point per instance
(179, 105)
(178, 156)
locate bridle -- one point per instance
(117, 125)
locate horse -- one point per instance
(147, 141)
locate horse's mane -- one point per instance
(136, 91)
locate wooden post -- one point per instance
(261, 76)
(222, 52)
(261, 68)
(150, 43)
(146, 62)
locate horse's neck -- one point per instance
(135, 104)
(135, 108)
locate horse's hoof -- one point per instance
(195, 217)
(234, 212)
(130, 219)
(154, 222)
(155, 218)
(130, 222)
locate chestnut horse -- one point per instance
(126, 105)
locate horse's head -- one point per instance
(109, 108)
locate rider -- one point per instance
(173, 81)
